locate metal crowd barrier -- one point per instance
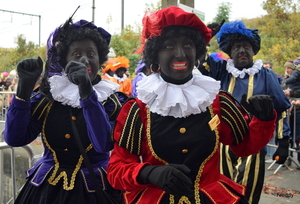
(31, 158)
(4, 104)
(291, 149)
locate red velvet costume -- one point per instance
(180, 123)
(144, 138)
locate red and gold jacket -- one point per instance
(146, 138)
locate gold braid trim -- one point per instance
(237, 113)
(100, 170)
(53, 180)
(116, 104)
(131, 135)
(127, 126)
(233, 117)
(41, 107)
(148, 134)
(197, 181)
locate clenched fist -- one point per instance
(29, 70)
(261, 106)
(78, 74)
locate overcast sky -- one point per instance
(55, 12)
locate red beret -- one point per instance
(154, 23)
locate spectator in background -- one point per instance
(13, 87)
(141, 71)
(13, 72)
(2, 78)
(292, 89)
(293, 82)
(107, 72)
(4, 98)
(120, 67)
(296, 62)
(289, 67)
(268, 65)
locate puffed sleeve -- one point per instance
(94, 114)
(124, 165)
(244, 136)
(20, 127)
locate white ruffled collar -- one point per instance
(108, 76)
(179, 101)
(241, 73)
(67, 93)
(121, 79)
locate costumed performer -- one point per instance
(71, 91)
(168, 137)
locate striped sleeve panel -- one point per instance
(131, 135)
(232, 115)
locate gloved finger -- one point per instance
(172, 190)
(67, 68)
(177, 187)
(182, 179)
(244, 99)
(181, 167)
(256, 104)
(83, 60)
(71, 67)
(24, 65)
(73, 78)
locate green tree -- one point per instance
(129, 41)
(224, 10)
(9, 58)
(280, 31)
(126, 45)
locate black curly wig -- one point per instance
(79, 35)
(66, 35)
(153, 45)
(233, 38)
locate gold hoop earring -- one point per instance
(151, 68)
(156, 70)
(198, 61)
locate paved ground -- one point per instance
(281, 186)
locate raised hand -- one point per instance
(261, 106)
(29, 71)
(215, 27)
(77, 73)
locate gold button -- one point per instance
(66, 150)
(182, 130)
(73, 118)
(185, 151)
(67, 136)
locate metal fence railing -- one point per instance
(11, 172)
(8, 183)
